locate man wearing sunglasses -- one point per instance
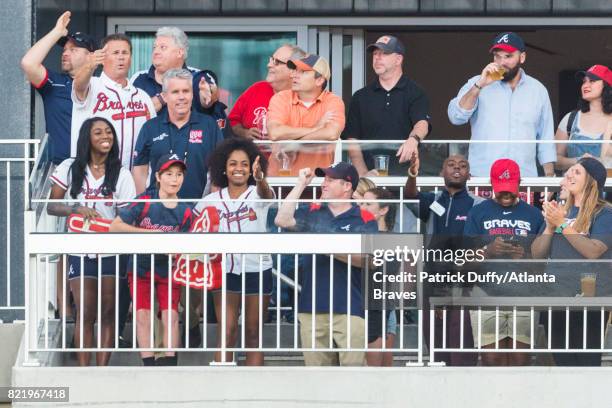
(248, 116)
(55, 87)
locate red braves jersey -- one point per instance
(126, 108)
(251, 107)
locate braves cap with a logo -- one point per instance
(341, 170)
(505, 176)
(596, 73)
(167, 160)
(80, 40)
(508, 42)
(311, 62)
(389, 44)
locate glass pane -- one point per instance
(238, 59)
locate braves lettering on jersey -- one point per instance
(92, 190)
(489, 220)
(240, 215)
(251, 108)
(55, 91)
(126, 108)
(156, 216)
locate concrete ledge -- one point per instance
(324, 387)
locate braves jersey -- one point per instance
(251, 107)
(240, 216)
(126, 108)
(92, 190)
(156, 216)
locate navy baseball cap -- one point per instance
(80, 39)
(508, 42)
(167, 160)
(342, 171)
(595, 170)
(388, 44)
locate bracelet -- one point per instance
(413, 175)
(418, 139)
(477, 86)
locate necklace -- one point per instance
(98, 166)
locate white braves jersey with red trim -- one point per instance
(92, 189)
(240, 215)
(126, 108)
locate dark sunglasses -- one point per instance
(276, 61)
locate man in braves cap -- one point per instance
(391, 107)
(308, 111)
(503, 227)
(343, 216)
(504, 103)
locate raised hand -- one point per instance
(305, 176)
(258, 173)
(61, 26)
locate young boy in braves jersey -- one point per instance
(154, 217)
(111, 96)
(503, 227)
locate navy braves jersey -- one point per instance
(193, 143)
(156, 216)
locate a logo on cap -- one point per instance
(504, 38)
(173, 157)
(505, 175)
(384, 39)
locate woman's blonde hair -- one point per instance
(591, 204)
(364, 185)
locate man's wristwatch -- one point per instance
(415, 137)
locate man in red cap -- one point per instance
(503, 104)
(503, 227)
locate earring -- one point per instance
(224, 173)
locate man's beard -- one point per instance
(455, 184)
(510, 74)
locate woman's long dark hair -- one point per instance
(218, 159)
(606, 100)
(83, 155)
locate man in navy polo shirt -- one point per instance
(55, 87)
(340, 180)
(445, 214)
(504, 228)
(190, 135)
(170, 51)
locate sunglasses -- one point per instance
(276, 61)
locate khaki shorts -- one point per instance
(506, 325)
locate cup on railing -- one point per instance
(498, 74)
(381, 164)
(285, 166)
(587, 283)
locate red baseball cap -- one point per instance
(505, 176)
(597, 72)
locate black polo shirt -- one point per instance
(193, 143)
(377, 114)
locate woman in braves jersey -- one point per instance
(165, 216)
(580, 229)
(239, 169)
(94, 174)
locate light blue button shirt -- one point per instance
(503, 114)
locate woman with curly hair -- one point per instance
(239, 169)
(591, 121)
(94, 174)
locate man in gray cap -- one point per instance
(392, 107)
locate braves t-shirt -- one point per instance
(251, 107)
(567, 275)
(156, 216)
(489, 220)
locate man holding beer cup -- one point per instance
(504, 103)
